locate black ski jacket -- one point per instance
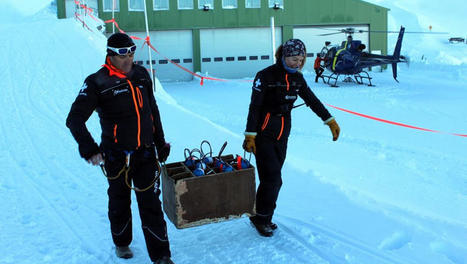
(274, 93)
(127, 109)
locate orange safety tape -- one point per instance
(88, 10)
(115, 23)
(82, 21)
(392, 122)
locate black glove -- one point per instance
(164, 152)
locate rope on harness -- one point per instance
(126, 169)
(102, 165)
(156, 178)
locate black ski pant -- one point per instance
(142, 172)
(318, 71)
(270, 156)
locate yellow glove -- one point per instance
(335, 129)
(249, 143)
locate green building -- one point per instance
(232, 38)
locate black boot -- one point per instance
(123, 252)
(273, 226)
(164, 260)
(263, 229)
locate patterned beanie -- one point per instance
(293, 47)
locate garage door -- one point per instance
(176, 45)
(314, 43)
(236, 53)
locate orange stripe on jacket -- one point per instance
(282, 128)
(266, 120)
(137, 112)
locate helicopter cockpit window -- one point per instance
(355, 45)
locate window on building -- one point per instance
(209, 3)
(107, 4)
(276, 3)
(161, 4)
(135, 5)
(185, 4)
(229, 4)
(253, 3)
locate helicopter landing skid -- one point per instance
(359, 78)
(333, 76)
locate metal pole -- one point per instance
(113, 16)
(149, 48)
(273, 40)
(83, 10)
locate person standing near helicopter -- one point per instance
(275, 89)
(121, 93)
(318, 68)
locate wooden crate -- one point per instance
(191, 201)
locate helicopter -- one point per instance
(349, 59)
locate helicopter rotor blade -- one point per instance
(413, 32)
(327, 34)
(353, 31)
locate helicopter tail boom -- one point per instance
(397, 53)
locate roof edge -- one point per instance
(365, 2)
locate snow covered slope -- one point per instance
(418, 16)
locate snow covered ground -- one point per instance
(380, 194)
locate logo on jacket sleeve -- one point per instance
(82, 91)
(256, 85)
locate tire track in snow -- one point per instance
(329, 238)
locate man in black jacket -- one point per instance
(121, 93)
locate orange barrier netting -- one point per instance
(392, 122)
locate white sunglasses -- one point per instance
(123, 51)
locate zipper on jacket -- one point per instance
(266, 120)
(282, 128)
(287, 81)
(137, 113)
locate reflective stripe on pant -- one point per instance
(142, 171)
(270, 156)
